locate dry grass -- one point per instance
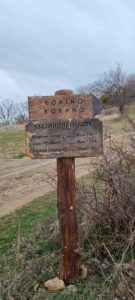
(12, 141)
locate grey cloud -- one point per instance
(45, 45)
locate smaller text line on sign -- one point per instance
(64, 138)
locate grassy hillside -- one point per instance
(12, 142)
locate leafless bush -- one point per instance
(106, 210)
(109, 202)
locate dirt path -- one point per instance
(22, 180)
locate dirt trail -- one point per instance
(22, 180)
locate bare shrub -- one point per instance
(109, 202)
(106, 210)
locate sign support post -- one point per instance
(68, 218)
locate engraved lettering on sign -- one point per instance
(60, 107)
(57, 138)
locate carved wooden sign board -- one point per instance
(62, 126)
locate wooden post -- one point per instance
(68, 218)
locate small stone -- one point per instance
(71, 289)
(83, 271)
(55, 284)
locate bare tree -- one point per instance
(87, 89)
(119, 87)
(115, 87)
(21, 112)
(7, 111)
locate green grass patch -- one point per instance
(28, 256)
(12, 142)
(25, 218)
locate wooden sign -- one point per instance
(60, 107)
(63, 127)
(64, 138)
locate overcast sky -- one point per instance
(46, 45)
